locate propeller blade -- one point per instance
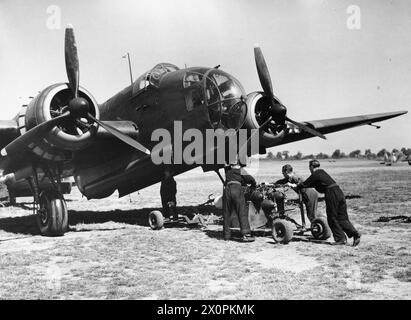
(278, 110)
(115, 132)
(306, 128)
(33, 135)
(72, 62)
(263, 73)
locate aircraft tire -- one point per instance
(156, 220)
(320, 229)
(52, 215)
(282, 231)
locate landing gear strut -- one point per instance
(50, 207)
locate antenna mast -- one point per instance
(129, 66)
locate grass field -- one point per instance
(110, 252)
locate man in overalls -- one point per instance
(234, 201)
(336, 206)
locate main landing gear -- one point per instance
(49, 207)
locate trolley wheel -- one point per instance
(156, 220)
(320, 229)
(282, 231)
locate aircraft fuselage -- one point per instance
(201, 98)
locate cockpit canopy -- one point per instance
(153, 76)
(221, 93)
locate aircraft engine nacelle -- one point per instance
(257, 113)
(70, 135)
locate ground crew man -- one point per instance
(234, 201)
(309, 195)
(336, 206)
(168, 191)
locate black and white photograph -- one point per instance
(191, 151)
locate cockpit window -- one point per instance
(227, 87)
(141, 82)
(212, 92)
(158, 71)
(192, 78)
(213, 100)
(194, 98)
(153, 76)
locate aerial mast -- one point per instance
(129, 66)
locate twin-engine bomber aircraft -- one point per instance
(64, 132)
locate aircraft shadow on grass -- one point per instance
(27, 225)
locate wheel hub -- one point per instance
(42, 212)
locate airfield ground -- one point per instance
(110, 252)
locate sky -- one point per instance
(320, 67)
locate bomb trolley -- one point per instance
(263, 215)
(157, 221)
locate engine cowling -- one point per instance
(62, 139)
(257, 114)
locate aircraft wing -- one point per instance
(333, 125)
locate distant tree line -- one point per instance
(338, 154)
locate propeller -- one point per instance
(75, 117)
(79, 107)
(277, 110)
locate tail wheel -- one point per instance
(320, 229)
(155, 220)
(282, 231)
(52, 215)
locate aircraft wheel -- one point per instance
(282, 231)
(156, 220)
(320, 229)
(52, 216)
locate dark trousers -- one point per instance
(167, 209)
(337, 215)
(279, 198)
(310, 199)
(234, 202)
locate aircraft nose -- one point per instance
(226, 100)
